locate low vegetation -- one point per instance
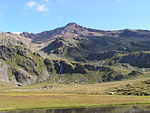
(13, 101)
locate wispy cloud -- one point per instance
(31, 4)
(42, 8)
(39, 7)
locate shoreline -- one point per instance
(73, 107)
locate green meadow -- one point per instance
(67, 96)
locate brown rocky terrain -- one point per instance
(73, 54)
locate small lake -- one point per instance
(112, 109)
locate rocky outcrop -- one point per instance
(101, 56)
(134, 72)
(28, 65)
(19, 64)
(22, 77)
(4, 77)
(45, 75)
(79, 69)
(112, 76)
(49, 64)
(62, 67)
(140, 59)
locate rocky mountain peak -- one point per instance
(72, 28)
(72, 24)
(27, 34)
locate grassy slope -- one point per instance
(28, 101)
(101, 88)
(67, 96)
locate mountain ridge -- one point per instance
(73, 54)
(76, 30)
(80, 43)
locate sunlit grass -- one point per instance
(67, 96)
(54, 88)
(29, 101)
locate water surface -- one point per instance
(112, 109)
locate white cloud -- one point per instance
(31, 4)
(42, 8)
(37, 6)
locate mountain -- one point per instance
(73, 30)
(74, 54)
(19, 64)
(69, 31)
(81, 43)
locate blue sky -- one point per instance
(40, 15)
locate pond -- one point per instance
(111, 109)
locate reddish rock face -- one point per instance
(73, 30)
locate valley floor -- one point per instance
(38, 100)
(46, 95)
